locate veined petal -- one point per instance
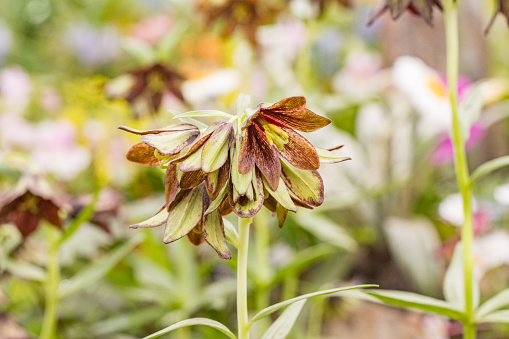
(170, 143)
(299, 152)
(247, 155)
(216, 180)
(216, 203)
(306, 185)
(239, 180)
(180, 127)
(195, 147)
(281, 213)
(142, 153)
(303, 120)
(184, 216)
(213, 232)
(225, 208)
(215, 150)
(191, 179)
(281, 195)
(397, 7)
(157, 220)
(245, 208)
(291, 104)
(171, 184)
(267, 159)
(192, 161)
(195, 236)
(328, 157)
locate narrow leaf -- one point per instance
(419, 302)
(203, 114)
(25, 271)
(271, 309)
(497, 302)
(84, 216)
(192, 322)
(497, 317)
(283, 325)
(489, 167)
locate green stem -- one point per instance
(242, 315)
(460, 162)
(262, 265)
(51, 286)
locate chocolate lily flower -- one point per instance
(422, 8)
(28, 203)
(149, 85)
(270, 133)
(246, 15)
(502, 7)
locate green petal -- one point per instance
(192, 162)
(328, 157)
(281, 195)
(143, 154)
(241, 182)
(215, 150)
(245, 208)
(281, 213)
(216, 180)
(157, 220)
(184, 216)
(213, 232)
(169, 143)
(306, 185)
(214, 205)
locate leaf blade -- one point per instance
(489, 167)
(283, 325)
(193, 322)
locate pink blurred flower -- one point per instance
(15, 88)
(50, 99)
(153, 29)
(15, 132)
(444, 153)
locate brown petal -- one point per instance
(247, 209)
(171, 184)
(195, 236)
(49, 211)
(191, 179)
(267, 160)
(247, 156)
(291, 104)
(194, 148)
(136, 89)
(215, 181)
(143, 154)
(299, 152)
(225, 208)
(303, 120)
(25, 221)
(281, 213)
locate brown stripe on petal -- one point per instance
(216, 149)
(225, 208)
(291, 104)
(191, 179)
(171, 143)
(215, 181)
(267, 160)
(171, 185)
(156, 100)
(281, 213)
(194, 148)
(270, 203)
(303, 120)
(142, 153)
(299, 152)
(247, 156)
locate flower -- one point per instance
(148, 86)
(29, 202)
(422, 8)
(501, 7)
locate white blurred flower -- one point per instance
(55, 151)
(451, 209)
(435, 327)
(50, 99)
(201, 90)
(153, 29)
(491, 251)
(15, 88)
(501, 194)
(15, 132)
(93, 46)
(5, 40)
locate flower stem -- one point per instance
(51, 286)
(263, 277)
(460, 162)
(242, 315)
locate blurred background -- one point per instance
(72, 71)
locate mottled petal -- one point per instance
(239, 180)
(291, 104)
(225, 208)
(191, 179)
(213, 232)
(247, 156)
(216, 180)
(281, 213)
(192, 160)
(215, 151)
(306, 185)
(247, 209)
(267, 159)
(303, 120)
(281, 195)
(214, 205)
(143, 154)
(299, 152)
(171, 184)
(170, 143)
(184, 216)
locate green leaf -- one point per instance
(489, 167)
(419, 302)
(497, 302)
(283, 325)
(203, 114)
(231, 233)
(454, 284)
(243, 101)
(192, 322)
(271, 309)
(25, 271)
(497, 317)
(99, 269)
(84, 216)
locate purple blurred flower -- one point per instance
(443, 152)
(93, 46)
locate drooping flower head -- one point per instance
(502, 6)
(234, 167)
(422, 8)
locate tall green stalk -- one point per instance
(460, 162)
(51, 286)
(242, 315)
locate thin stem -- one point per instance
(242, 315)
(262, 265)
(51, 286)
(460, 161)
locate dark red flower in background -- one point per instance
(422, 8)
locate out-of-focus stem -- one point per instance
(262, 239)
(460, 162)
(242, 315)
(51, 286)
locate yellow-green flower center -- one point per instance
(155, 82)
(275, 135)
